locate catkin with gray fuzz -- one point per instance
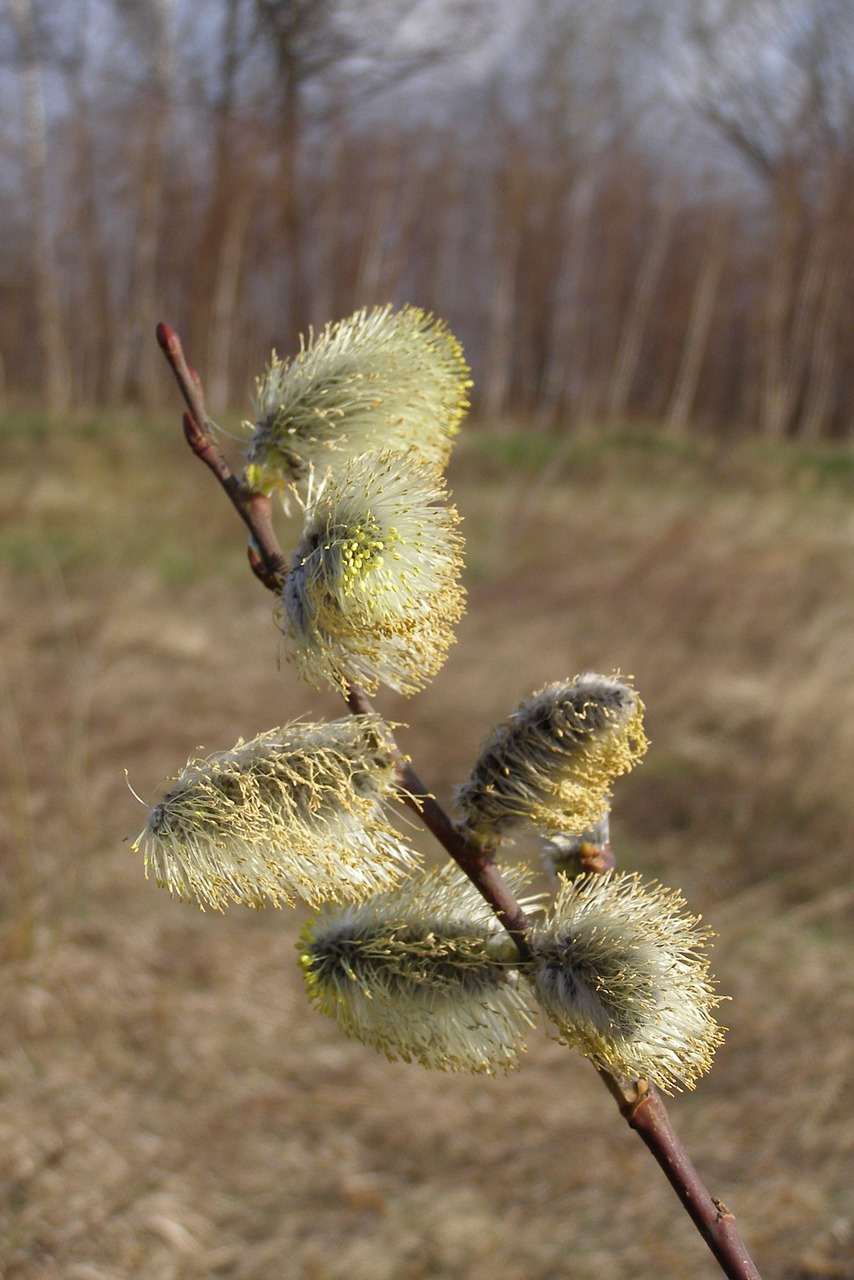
(379, 380)
(552, 762)
(374, 590)
(423, 973)
(621, 971)
(296, 813)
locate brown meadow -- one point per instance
(170, 1106)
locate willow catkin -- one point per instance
(552, 762)
(423, 973)
(621, 970)
(298, 812)
(381, 380)
(373, 590)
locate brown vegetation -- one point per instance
(244, 188)
(171, 1107)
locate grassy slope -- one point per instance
(170, 1107)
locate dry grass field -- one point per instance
(170, 1106)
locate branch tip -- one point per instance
(167, 339)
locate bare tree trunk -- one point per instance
(331, 287)
(641, 306)
(299, 314)
(563, 361)
(135, 360)
(699, 324)
(777, 392)
(51, 334)
(224, 319)
(817, 313)
(823, 368)
(94, 329)
(510, 198)
(384, 232)
(448, 281)
(502, 323)
(232, 199)
(151, 201)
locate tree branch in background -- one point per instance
(639, 1103)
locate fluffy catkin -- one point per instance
(379, 380)
(421, 973)
(552, 762)
(296, 812)
(373, 590)
(620, 969)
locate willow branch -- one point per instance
(476, 860)
(255, 510)
(639, 1103)
(644, 1111)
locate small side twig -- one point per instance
(640, 1105)
(265, 556)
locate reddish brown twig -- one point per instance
(644, 1111)
(640, 1105)
(255, 510)
(478, 862)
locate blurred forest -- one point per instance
(627, 210)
